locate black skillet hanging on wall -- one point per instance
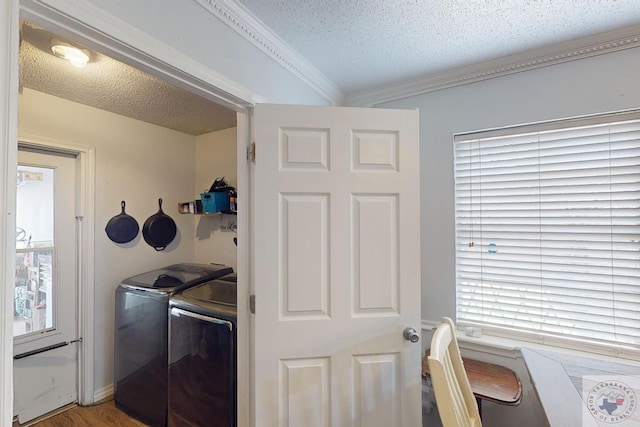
(122, 228)
(159, 229)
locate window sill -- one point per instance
(510, 347)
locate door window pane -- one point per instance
(33, 290)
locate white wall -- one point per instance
(215, 157)
(598, 84)
(136, 162)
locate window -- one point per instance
(34, 285)
(548, 231)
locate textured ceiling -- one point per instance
(362, 44)
(359, 45)
(113, 86)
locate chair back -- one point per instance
(455, 400)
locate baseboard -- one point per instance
(105, 393)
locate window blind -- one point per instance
(548, 231)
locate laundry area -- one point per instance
(175, 351)
(175, 370)
(164, 165)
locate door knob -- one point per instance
(410, 334)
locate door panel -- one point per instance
(47, 316)
(375, 254)
(336, 267)
(304, 265)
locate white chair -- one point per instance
(456, 403)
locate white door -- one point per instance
(336, 267)
(45, 301)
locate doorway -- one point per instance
(180, 71)
(45, 327)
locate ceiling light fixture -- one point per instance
(78, 57)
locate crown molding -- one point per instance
(247, 25)
(241, 20)
(600, 44)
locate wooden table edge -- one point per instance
(473, 380)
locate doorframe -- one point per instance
(84, 23)
(9, 19)
(85, 216)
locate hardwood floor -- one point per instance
(102, 415)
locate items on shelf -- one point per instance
(215, 201)
(220, 198)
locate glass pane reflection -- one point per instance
(33, 290)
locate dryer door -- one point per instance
(202, 370)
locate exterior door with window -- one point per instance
(45, 288)
(336, 267)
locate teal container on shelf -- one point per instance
(216, 201)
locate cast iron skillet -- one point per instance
(159, 229)
(122, 228)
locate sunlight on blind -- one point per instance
(548, 231)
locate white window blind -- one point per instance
(548, 231)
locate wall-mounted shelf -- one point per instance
(218, 213)
(195, 208)
(222, 201)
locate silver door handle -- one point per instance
(410, 334)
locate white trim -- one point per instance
(486, 344)
(244, 384)
(86, 276)
(489, 345)
(8, 166)
(429, 325)
(510, 347)
(242, 21)
(104, 393)
(85, 214)
(84, 22)
(613, 41)
(247, 238)
(105, 29)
